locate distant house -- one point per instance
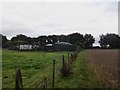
(60, 46)
(25, 47)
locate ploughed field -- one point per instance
(105, 65)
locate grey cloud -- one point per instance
(34, 19)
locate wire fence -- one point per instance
(49, 82)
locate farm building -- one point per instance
(49, 47)
(25, 47)
(60, 46)
(64, 46)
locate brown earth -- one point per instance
(105, 64)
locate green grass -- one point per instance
(0, 68)
(81, 77)
(36, 65)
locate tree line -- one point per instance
(108, 40)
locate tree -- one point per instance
(4, 40)
(62, 38)
(49, 40)
(19, 37)
(33, 41)
(109, 40)
(88, 40)
(54, 38)
(42, 40)
(14, 44)
(75, 38)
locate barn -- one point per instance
(60, 46)
(64, 46)
(25, 47)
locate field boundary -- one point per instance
(49, 82)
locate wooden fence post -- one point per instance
(68, 58)
(45, 82)
(71, 57)
(63, 61)
(18, 81)
(53, 78)
(74, 56)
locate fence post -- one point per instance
(45, 82)
(18, 81)
(74, 56)
(71, 57)
(63, 61)
(68, 58)
(53, 78)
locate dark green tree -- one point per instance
(62, 38)
(19, 37)
(109, 40)
(75, 38)
(88, 40)
(42, 40)
(54, 38)
(3, 40)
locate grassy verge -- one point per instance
(81, 77)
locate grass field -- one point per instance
(36, 65)
(0, 69)
(105, 65)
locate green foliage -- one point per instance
(19, 37)
(109, 41)
(13, 44)
(88, 40)
(75, 37)
(3, 40)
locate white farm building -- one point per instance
(25, 47)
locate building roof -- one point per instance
(25, 45)
(48, 45)
(64, 43)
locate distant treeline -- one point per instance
(108, 40)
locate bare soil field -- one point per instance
(105, 64)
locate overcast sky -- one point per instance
(46, 18)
